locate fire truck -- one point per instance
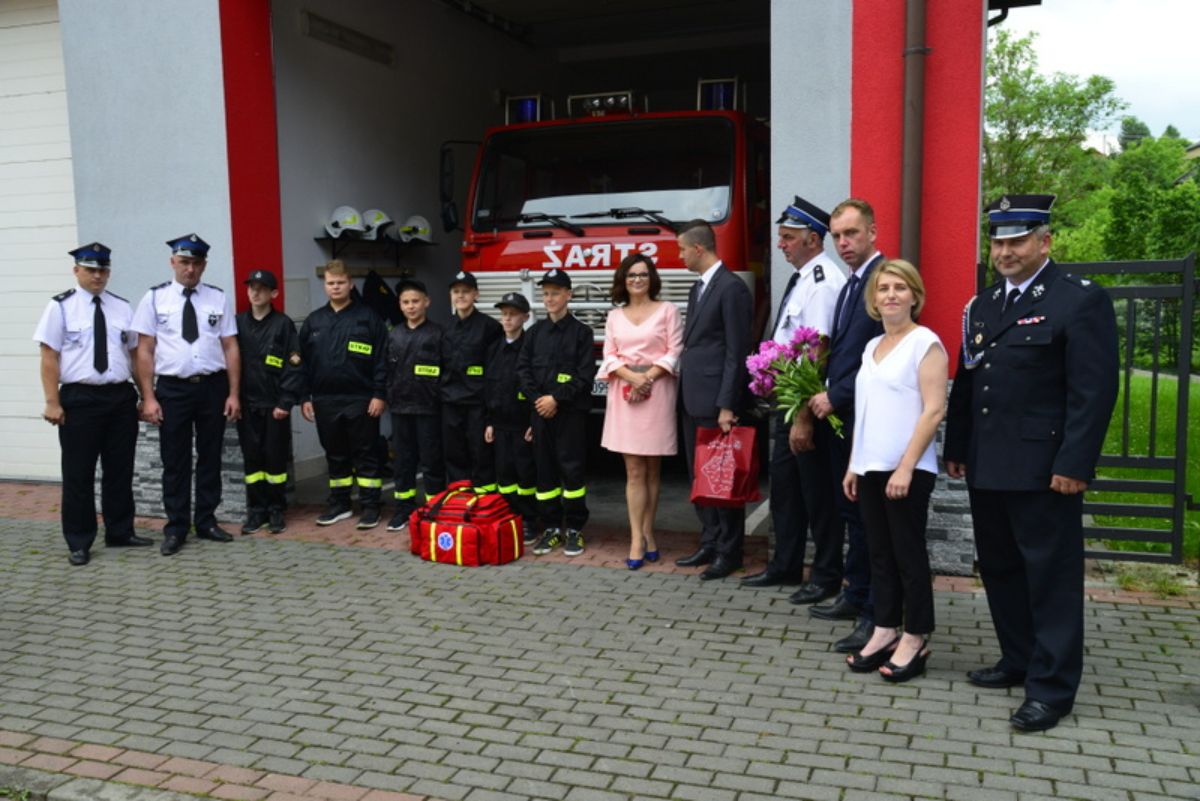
(582, 192)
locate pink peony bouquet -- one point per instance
(792, 373)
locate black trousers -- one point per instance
(858, 562)
(800, 499)
(266, 445)
(191, 411)
(1030, 547)
(350, 438)
(102, 424)
(516, 474)
(559, 451)
(417, 441)
(723, 530)
(900, 576)
(468, 456)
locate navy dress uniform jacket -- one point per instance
(1039, 402)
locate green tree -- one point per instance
(1035, 127)
(1133, 131)
(1144, 192)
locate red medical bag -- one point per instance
(463, 527)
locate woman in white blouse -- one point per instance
(900, 398)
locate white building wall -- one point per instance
(147, 103)
(37, 223)
(810, 118)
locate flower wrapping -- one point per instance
(791, 373)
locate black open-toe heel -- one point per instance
(865, 664)
(914, 668)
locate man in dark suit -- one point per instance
(1032, 398)
(852, 225)
(713, 380)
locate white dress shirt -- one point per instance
(160, 315)
(812, 301)
(66, 326)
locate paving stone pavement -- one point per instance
(290, 669)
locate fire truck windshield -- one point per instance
(682, 168)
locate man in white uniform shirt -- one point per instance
(800, 495)
(189, 341)
(86, 340)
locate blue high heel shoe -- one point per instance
(651, 556)
(635, 564)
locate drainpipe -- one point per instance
(914, 132)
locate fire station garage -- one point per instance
(251, 121)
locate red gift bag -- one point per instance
(726, 467)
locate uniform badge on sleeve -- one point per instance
(213, 319)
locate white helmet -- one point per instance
(375, 221)
(344, 218)
(416, 227)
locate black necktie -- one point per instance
(851, 285)
(787, 291)
(1013, 294)
(99, 338)
(191, 330)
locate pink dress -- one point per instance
(645, 428)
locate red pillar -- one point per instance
(953, 133)
(251, 141)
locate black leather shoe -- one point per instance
(79, 558)
(765, 579)
(701, 557)
(171, 545)
(215, 533)
(1035, 716)
(995, 678)
(810, 593)
(720, 568)
(840, 609)
(133, 541)
(857, 639)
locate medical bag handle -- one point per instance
(436, 509)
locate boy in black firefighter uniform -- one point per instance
(465, 346)
(343, 348)
(272, 380)
(557, 368)
(414, 357)
(507, 416)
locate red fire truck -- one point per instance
(582, 193)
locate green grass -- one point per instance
(1140, 392)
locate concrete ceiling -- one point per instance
(610, 28)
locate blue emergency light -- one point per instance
(716, 94)
(525, 108)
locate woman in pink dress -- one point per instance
(642, 343)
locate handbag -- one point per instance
(726, 467)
